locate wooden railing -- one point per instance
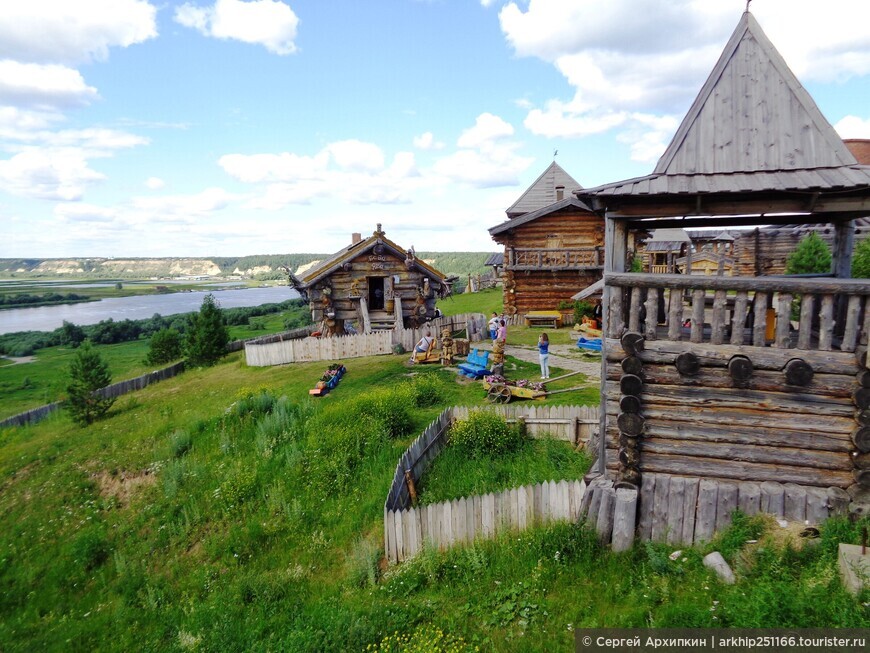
(581, 258)
(832, 315)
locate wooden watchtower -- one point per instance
(746, 379)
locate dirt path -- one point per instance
(565, 356)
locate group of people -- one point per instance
(498, 331)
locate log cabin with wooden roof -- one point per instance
(727, 394)
(374, 283)
(554, 245)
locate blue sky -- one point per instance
(233, 127)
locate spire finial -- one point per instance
(747, 5)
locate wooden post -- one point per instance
(652, 309)
(698, 299)
(624, 516)
(738, 319)
(604, 524)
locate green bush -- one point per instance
(583, 309)
(861, 260)
(180, 443)
(164, 347)
(91, 548)
(392, 409)
(484, 434)
(426, 390)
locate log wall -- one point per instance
(702, 385)
(569, 238)
(386, 265)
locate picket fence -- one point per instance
(407, 530)
(115, 390)
(295, 347)
(575, 424)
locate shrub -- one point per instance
(180, 443)
(426, 390)
(88, 373)
(164, 347)
(391, 409)
(583, 309)
(91, 549)
(484, 434)
(861, 260)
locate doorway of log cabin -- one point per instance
(376, 293)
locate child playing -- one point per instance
(544, 355)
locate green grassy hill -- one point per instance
(223, 510)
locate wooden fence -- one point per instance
(115, 390)
(407, 529)
(575, 424)
(295, 347)
(444, 524)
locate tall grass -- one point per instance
(199, 516)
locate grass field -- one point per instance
(223, 510)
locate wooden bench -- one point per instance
(475, 366)
(551, 319)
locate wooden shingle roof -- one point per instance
(752, 129)
(334, 262)
(543, 191)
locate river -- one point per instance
(49, 318)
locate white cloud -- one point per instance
(492, 167)
(853, 127)
(487, 127)
(154, 183)
(426, 141)
(85, 213)
(357, 155)
(254, 168)
(632, 75)
(183, 208)
(42, 86)
(52, 31)
(41, 173)
(268, 23)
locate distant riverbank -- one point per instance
(49, 318)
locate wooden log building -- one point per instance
(374, 283)
(735, 380)
(554, 245)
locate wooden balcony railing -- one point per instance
(833, 314)
(582, 258)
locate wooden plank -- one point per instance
(698, 300)
(705, 517)
(759, 326)
(660, 508)
(763, 358)
(717, 326)
(795, 502)
(850, 332)
(390, 536)
(738, 319)
(604, 524)
(783, 317)
(646, 506)
(726, 503)
(412, 541)
(773, 499)
(477, 517)
(652, 310)
(624, 515)
(822, 387)
(690, 505)
(751, 284)
(676, 497)
(817, 505)
(634, 310)
(400, 535)
(805, 329)
(595, 503)
(488, 515)
(675, 314)
(742, 471)
(749, 498)
(457, 514)
(755, 453)
(826, 323)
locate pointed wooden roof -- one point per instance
(333, 263)
(543, 191)
(753, 129)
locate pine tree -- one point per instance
(811, 255)
(207, 335)
(88, 372)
